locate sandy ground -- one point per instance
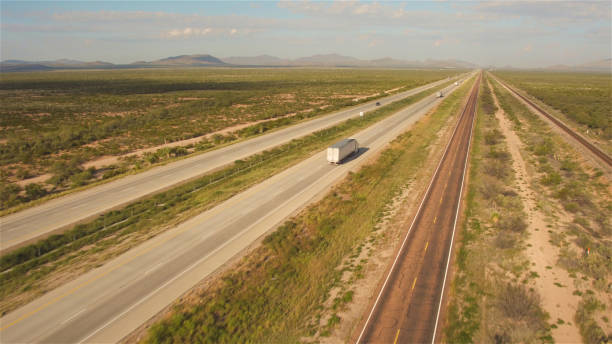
(559, 302)
(38, 179)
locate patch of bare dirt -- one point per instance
(559, 302)
(117, 114)
(38, 179)
(394, 89)
(191, 98)
(289, 97)
(365, 97)
(35, 115)
(97, 143)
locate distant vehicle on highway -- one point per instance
(439, 95)
(377, 103)
(340, 150)
(456, 83)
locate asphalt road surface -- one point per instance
(109, 302)
(407, 308)
(25, 226)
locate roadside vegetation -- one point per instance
(491, 298)
(285, 283)
(37, 268)
(577, 197)
(53, 123)
(582, 100)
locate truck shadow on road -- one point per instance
(355, 155)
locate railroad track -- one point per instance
(584, 142)
(408, 306)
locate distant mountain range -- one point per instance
(326, 60)
(599, 65)
(188, 60)
(335, 60)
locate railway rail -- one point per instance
(579, 138)
(408, 306)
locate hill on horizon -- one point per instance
(319, 60)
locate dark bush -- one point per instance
(512, 222)
(499, 155)
(491, 188)
(519, 303)
(504, 240)
(496, 169)
(552, 178)
(493, 137)
(35, 191)
(9, 195)
(544, 147)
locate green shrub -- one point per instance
(519, 303)
(9, 194)
(552, 178)
(545, 147)
(493, 137)
(34, 191)
(513, 223)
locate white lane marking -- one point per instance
(198, 262)
(73, 316)
(155, 267)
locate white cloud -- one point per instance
(193, 32)
(551, 11)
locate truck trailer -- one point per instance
(340, 150)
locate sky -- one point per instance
(499, 33)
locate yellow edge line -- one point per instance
(414, 283)
(426, 246)
(396, 336)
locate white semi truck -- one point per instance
(340, 150)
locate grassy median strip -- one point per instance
(40, 267)
(578, 198)
(491, 301)
(275, 292)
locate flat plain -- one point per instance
(55, 124)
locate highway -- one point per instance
(25, 226)
(407, 308)
(109, 302)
